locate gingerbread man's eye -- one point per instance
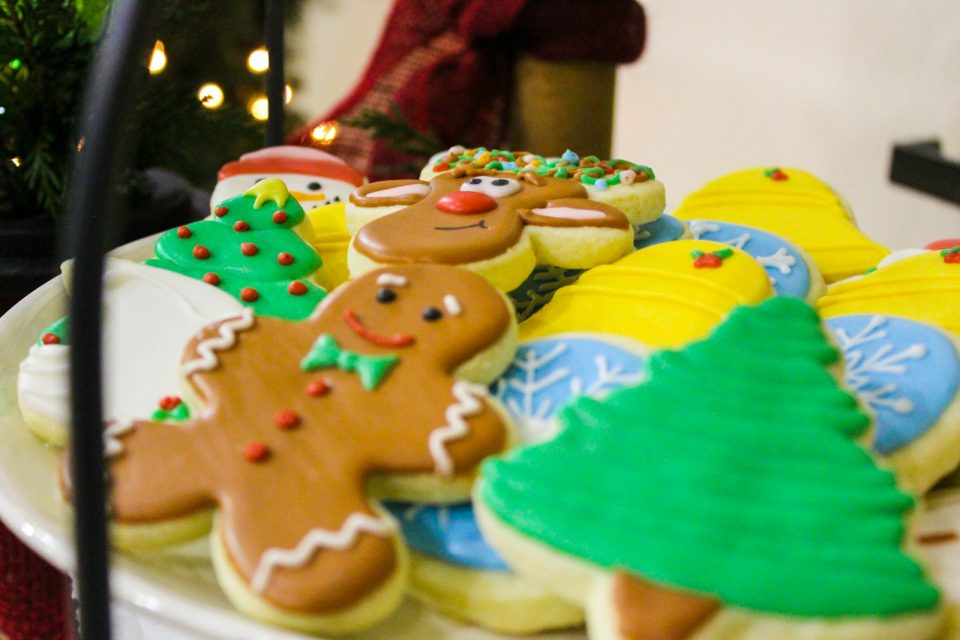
(431, 314)
(493, 187)
(314, 186)
(385, 295)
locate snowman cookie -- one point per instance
(377, 391)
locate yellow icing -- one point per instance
(923, 288)
(654, 295)
(802, 209)
(330, 240)
(269, 189)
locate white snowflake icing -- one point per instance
(780, 260)
(883, 360)
(536, 417)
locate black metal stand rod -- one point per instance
(91, 212)
(276, 89)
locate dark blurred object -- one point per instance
(449, 67)
(923, 167)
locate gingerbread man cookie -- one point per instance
(299, 418)
(499, 224)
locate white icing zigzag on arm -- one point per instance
(111, 443)
(882, 361)
(468, 404)
(227, 337)
(315, 540)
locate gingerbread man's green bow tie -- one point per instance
(325, 353)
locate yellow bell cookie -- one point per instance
(794, 204)
(923, 286)
(664, 296)
(330, 241)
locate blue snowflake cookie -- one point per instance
(545, 374)
(666, 228)
(907, 372)
(788, 271)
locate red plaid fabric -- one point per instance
(33, 595)
(448, 64)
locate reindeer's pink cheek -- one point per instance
(466, 203)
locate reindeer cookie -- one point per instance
(298, 419)
(499, 224)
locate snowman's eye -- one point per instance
(258, 180)
(493, 187)
(314, 186)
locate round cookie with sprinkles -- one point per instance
(256, 247)
(922, 285)
(279, 428)
(453, 568)
(744, 510)
(792, 272)
(630, 187)
(908, 374)
(663, 296)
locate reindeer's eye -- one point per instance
(431, 314)
(493, 187)
(385, 295)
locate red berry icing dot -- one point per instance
(255, 451)
(443, 166)
(952, 258)
(50, 338)
(946, 243)
(284, 258)
(317, 388)
(707, 261)
(184, 232)
(221, 211)
(169, 403)
(241, 225)
(286, 419)
(200, 252)
(249, 249)
(249, 294)
(297, 288)
(280, 217)
(212, 278)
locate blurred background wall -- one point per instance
(825, 85)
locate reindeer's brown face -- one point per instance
(468, 218)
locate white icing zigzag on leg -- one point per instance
(468, 404)
(227, 337)
(315, 540)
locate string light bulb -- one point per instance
(287, 94)
(158, 59)
(259, 60)
(16, 161)
(210, 96)
(259, 108)
(325, 132)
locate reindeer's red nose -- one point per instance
(466, 203)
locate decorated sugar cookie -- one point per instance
(916, 284)
(628, 186)
(150, 315)
(379, 382)
(662, 296)
(792, 272)
(792, 204)
(908, 374)
(744, 510)
(498, 224)
(256, 247)
(454, 570)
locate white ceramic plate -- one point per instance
(174, 588)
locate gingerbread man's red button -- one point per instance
(466, 203)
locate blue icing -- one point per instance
(786, 267)
(907, 372)
(666, 228)
(545, 374)
(539, 287)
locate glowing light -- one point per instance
(15, 161)
(3, 110)
(158, 59)
(80, 143)
(210, 96)
(259, 108)
(287, 94)
(325, 132)
(16, 63)
(259, 60)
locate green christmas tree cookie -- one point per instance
(255, 247)
(726, 497)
